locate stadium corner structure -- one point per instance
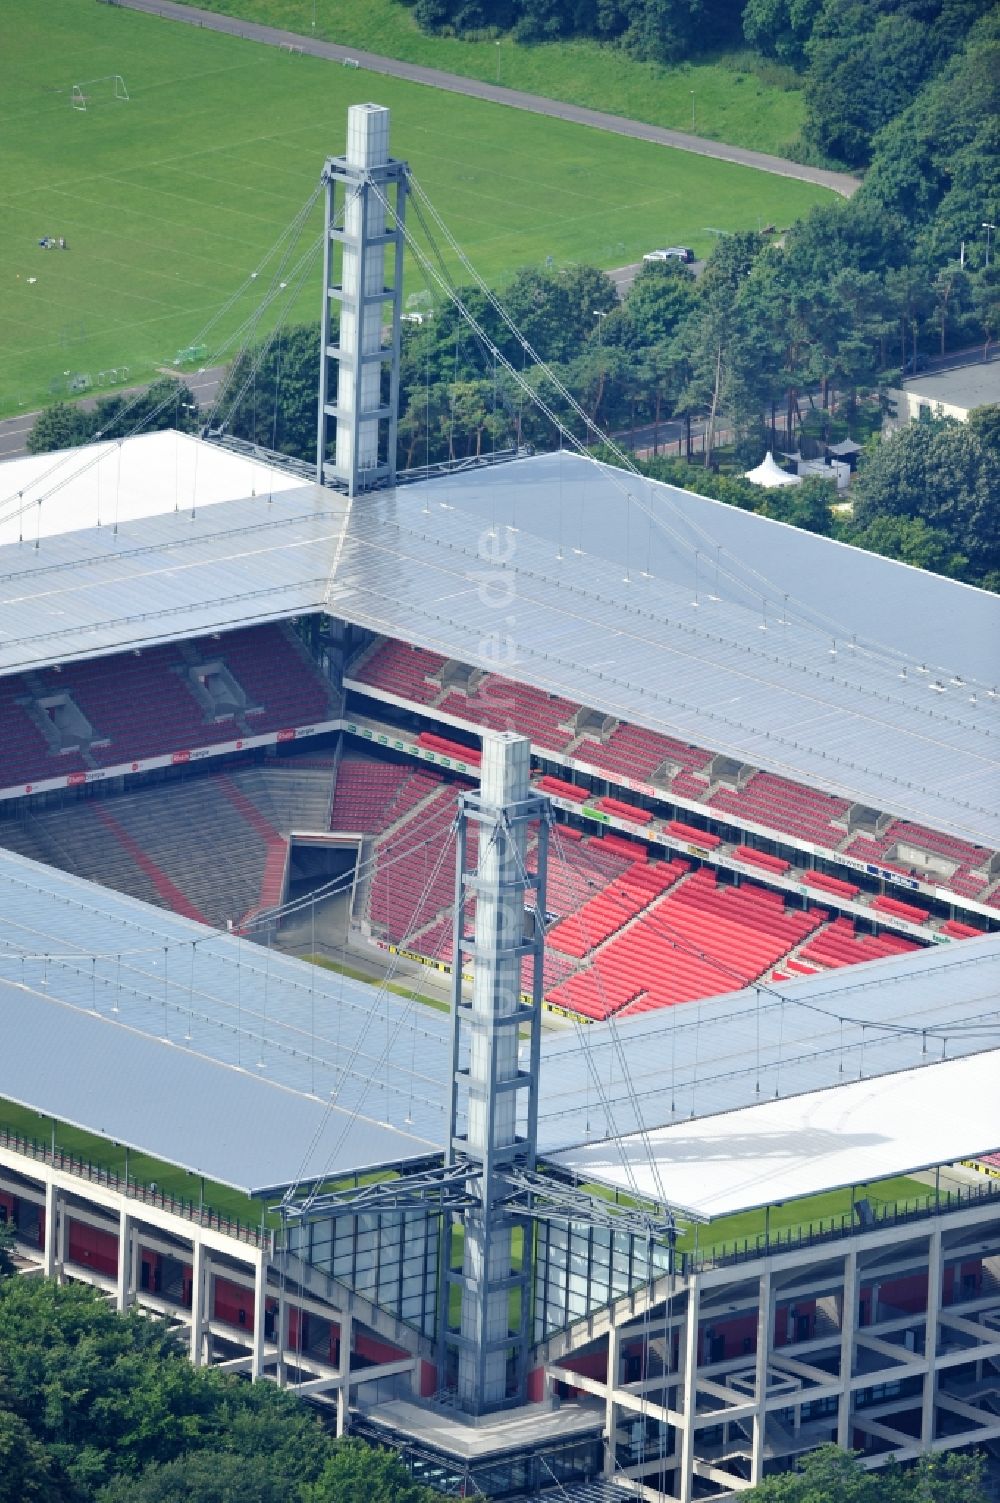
(693, 814)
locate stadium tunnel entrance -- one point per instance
(324, 866)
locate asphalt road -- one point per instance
(14, 431)
(536, 104)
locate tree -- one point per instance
(864, 68)
(945, 474)
(61, 426)
(203, 1477)
(28, 1474)
(269, 396)
(357, 1474)
(7, 1264)
(910, 540)
(166, 403)
(806, 505)
(830, 1475)
(933, 164)
(781, 28)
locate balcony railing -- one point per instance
(83, 1169)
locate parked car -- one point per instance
(671, 253)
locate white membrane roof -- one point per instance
(804, 1145)
(108, 484)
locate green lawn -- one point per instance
(399, 988)
(814, 1213)
(170, 200)
(737, 98)
(146, 1171)
(792, 1218)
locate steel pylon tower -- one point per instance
(364, 216)
(491, 1083)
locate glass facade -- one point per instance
(580, 1268)
(390, 1258)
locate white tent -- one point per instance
(770, 474)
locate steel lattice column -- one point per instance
(496, 1089)
(365, 207)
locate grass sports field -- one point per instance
(737, 98)
(169, 200)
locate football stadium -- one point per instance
(506, 951)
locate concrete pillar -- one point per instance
(259, 1313)
(614, 1378)
(765, 1335)
(935, 1279)
(281, 1335)
(62, 1240)
(199, 1286)
(685, 1482)
(848, 1326)
(52, 1199)
(126, 1285)
(344, 1367)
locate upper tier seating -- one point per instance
(780, 804)
(24, 752)
(276, 672)
(142, 705)
(402, 670)
(969, 876)
(635, 754)
(840, 944)
(504, 705)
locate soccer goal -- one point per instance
(98, 90)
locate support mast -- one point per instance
(365, 203)
(495, 1088)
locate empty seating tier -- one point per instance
(368, 795)
(840, 944)
(955, 930)
(697, 940)
(780, 804)
(470, 755)
(402, 670)
(141, 705)
(634, 754)
(826, 883)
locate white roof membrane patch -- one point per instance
(804, 1145)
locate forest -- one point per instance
(861, 65)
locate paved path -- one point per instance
(839, 182)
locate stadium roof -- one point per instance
(106, 998)
(157, 579)
(850, 672)
(108, 484)
(156, 1096)
(733, 667)
(725, 1053)
(805, 1145)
